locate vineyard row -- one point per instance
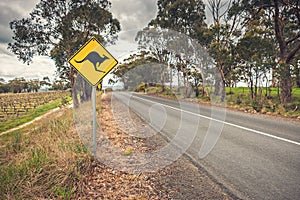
(16, 105)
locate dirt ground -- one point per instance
(179, 180)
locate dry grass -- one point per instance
(45, 160)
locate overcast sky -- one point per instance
(132, 14)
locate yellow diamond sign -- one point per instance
(93, 61)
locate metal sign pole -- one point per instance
(94, 120)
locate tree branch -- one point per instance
(293, 39)
(278, 31)
(292, 53)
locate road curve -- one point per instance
(255, 157)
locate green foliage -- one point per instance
(138, 68)
(64, 193)
(186, 17)
(174, 17)
(127, 152)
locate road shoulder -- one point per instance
(179, 180)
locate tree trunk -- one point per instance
(251, 88)
(171, 78)
(162, 77)
(285, 58)
(178, 80)
(297, 76)
(197, 90)
(220, 84)
(285, 84)
(74, 92)
(72, 80)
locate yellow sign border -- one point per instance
(106, 51)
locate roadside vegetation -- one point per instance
(266, 102)
(43, 160)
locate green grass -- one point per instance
(127, 152)
(267, 101)
(14, 122)
(296, 94)
(274, 92)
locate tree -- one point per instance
(136, 69)
(184, 16)
(253, 54)
(284, 19)
(155, 40)
(196, 80)
(59, 84)
(18, 85)
(45, 81)
(34, 85)
(222, 36)
(57, 28)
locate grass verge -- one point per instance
(45, 160)
(267, 100)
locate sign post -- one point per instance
(94, 120)
(93, 62)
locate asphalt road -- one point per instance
(254, 156)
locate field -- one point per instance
(267, 101)
(17, 109)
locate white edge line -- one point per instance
(227, 123)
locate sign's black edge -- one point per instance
(92, 38)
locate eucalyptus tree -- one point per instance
(253, 54)
(17, 85)
(57, 28)
(155, 41)
(137, 68)
(284, 21)
(184, 16)
(196, 79)
(223, 34)
(178, 49)
(34, 85)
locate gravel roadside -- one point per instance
(179, 180)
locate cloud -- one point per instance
(11, 68)
(133, 15)
(11, 10)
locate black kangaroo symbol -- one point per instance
(95, 59)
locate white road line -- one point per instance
(226, 123)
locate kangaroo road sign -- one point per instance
(93, 61)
